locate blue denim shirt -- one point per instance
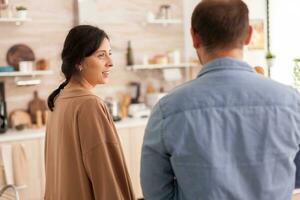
(230, 134)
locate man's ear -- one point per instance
(249, 35)
(195, 38)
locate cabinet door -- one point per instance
(34, 184)
(28, 168)
(124, 135)
(136, 142)
(131, 141)
(42, 179)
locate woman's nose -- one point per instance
(110, 62)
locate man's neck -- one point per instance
(207, 57)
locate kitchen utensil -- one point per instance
(134, 90)
(42, 64)
(164, 12)
(7, 68)
(138, 110)
(20, 118)
(17, 53)
(153, 98)
(3, 112)
(113, 107)
(25, 66)
(35, 105)
(124, 99)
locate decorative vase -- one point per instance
(270, 64)
(22, 14)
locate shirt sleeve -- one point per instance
(102, 154)
(157, 177)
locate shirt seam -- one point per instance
(225, 106)
(162, 128)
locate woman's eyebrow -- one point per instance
(102, 50)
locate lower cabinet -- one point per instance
(22, 163)
(131, 141)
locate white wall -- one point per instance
(188, 6)
(284, 33)
(257, 11)
(285, 37)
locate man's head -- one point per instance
(220, 25)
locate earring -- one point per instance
(80, 68)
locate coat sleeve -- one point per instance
(157, 177)
(102, 154)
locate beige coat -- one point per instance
(84, 159)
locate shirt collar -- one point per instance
(225, 63)
(74, 92)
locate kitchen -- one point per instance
(152, 53)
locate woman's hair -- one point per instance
(82, 41)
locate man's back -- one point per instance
(230, 134)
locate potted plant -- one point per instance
(296, 73)
(270, 57)
(21, 12)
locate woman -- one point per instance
(84, 159)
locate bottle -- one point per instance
(3, 112)
(129, 55)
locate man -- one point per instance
(230, 134)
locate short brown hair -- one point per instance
(221, 23)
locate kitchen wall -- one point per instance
(285, 37)
(127, 21)
(44, 34)
(257, 10)
(123, 20)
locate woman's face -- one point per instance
(96, 68)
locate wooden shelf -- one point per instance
(160, 66)
(32, 73)
(16, 20)
(165, 21)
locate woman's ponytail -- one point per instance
(51, 98)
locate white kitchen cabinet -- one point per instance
(28, 168)
(28, 155)
(131, 141)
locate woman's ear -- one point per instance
(79, 67)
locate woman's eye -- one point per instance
(102, 55)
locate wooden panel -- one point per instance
(28, 168)
(132, 140)
(136, 139)
(124, 135)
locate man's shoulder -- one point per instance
(198, 94)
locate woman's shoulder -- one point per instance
(92, 102)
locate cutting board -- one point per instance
(35, 105)
(20, 118)
(17, 53)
